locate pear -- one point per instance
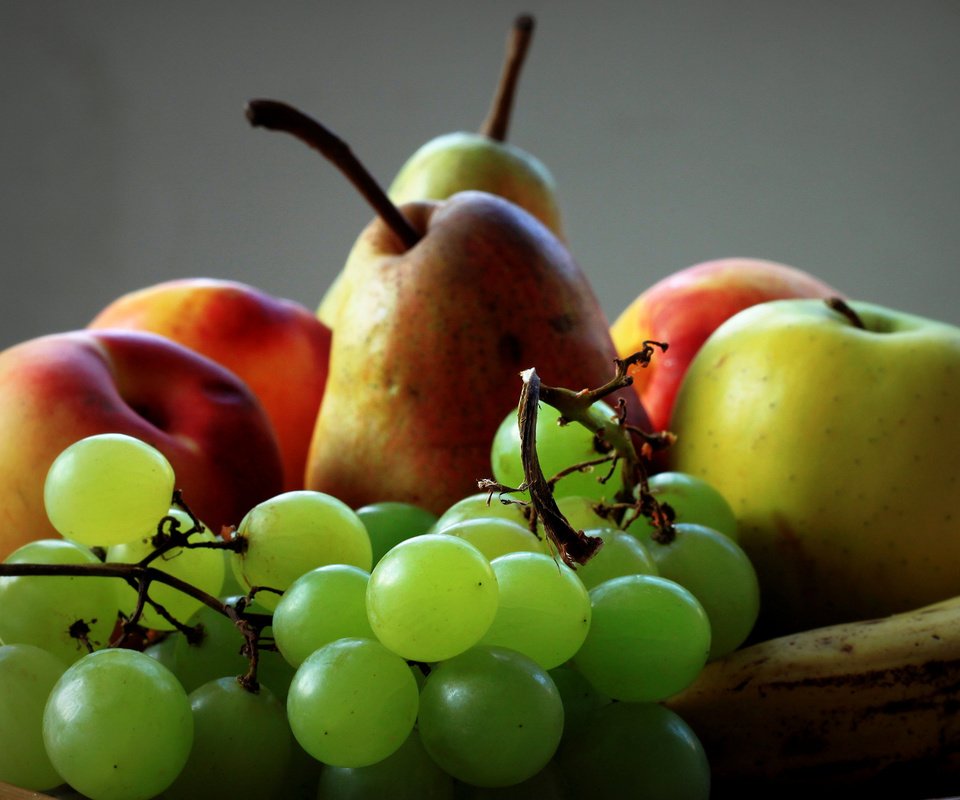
(460, 160)
(429, 345)
(485, 160)
(450, 301)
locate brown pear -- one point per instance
(449, 302)
(429, 346)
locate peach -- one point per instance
(684, 308)
(59, 388)
(278, 347)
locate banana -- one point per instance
(868, 704)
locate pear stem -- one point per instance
(498, 118)
(276, 116)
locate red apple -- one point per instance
(278, 347)
(58, 388)
(683, 309)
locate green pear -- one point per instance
(429, 344)
(832, 432)
(453, 162)
(462, 160)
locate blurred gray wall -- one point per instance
(822, 134)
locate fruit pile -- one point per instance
(253, 551)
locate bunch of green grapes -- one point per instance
(399, 652)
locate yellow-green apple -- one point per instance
(59, 388)
(839, 450)
(684, 308)
(277, 346)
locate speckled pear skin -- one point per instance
(456, 162)
(429, 344)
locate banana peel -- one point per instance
(871, 705)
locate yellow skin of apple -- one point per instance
(839, 451)
(458, 161)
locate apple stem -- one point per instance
(839, 305)
(277, 116)
(498, 118)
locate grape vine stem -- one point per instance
(141, 575)
(573, 546)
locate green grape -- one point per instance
(547, 784)
(649, 638)
(431, 597)
(202, 568)
(481, 505)
(490, 716)
(621, 554)
(580, 697)
(544, 609)
(407, 774)
(231, 586)
(241, 744)
(27, 674)
(389, 523)
(302, 777)
(558, 447)
(627, 750)
(692, 500)
(218, 654)
(418, 674)
(495, 537)
(352, 703)
(294, 532)
(581, 513)
(720, 575)
(118, 725)
(326, 604)
(108, 489)
(41, 609)
(165, 651)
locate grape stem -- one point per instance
(249, 625)
(574, 406)
(141, 575)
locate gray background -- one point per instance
(822, 134)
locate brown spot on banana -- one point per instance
(866, 703)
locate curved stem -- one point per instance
(839, 305)
(276, 116)
(141, 576)
(498, 118)
(137, 572)
(574, 406)
(574, 547)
